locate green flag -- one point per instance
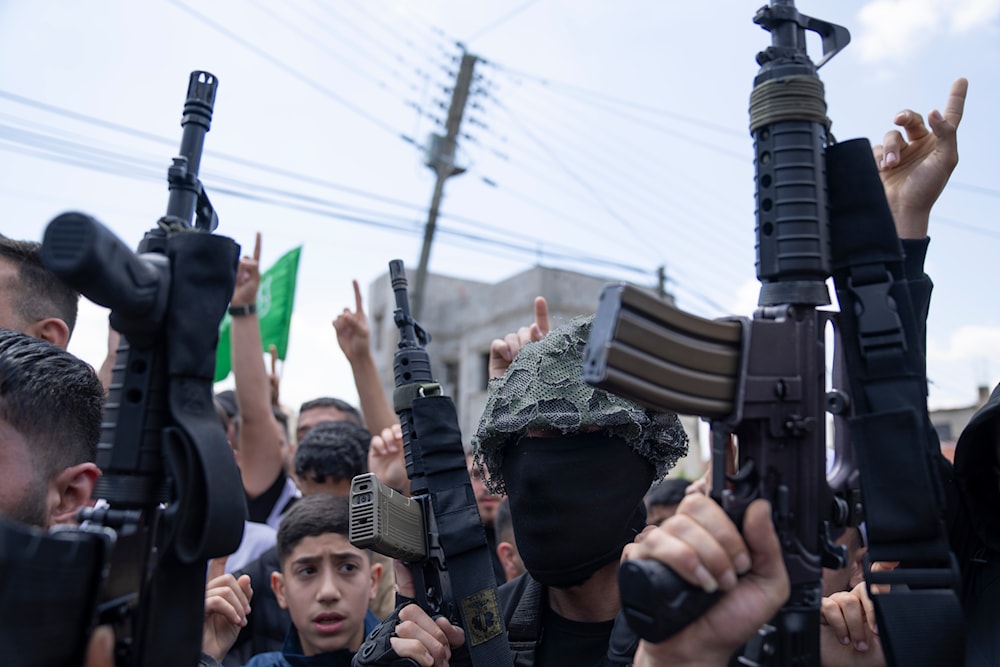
(275, 299)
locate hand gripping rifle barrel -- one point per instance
(437, 532)
(760, 379)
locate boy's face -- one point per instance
(326, 584)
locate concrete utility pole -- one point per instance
(441, 158)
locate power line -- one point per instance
(84, 118)
(432, 34)
(681, 220)
(417, 229)
(126, 166)
(121, 165)
(626, 178)
(631, 105)
(978, 189)
(591, 190)
(292, 71)
(991, 234)
(264, 167)
(267, 168)
(501, 20)
(381, 45)
(669, 131)
(353, 66)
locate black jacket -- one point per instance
(975, 531)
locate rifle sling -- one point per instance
(461, 533)
(920, 620)
(211, 501)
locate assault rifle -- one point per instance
(173, 493)
(821, 213)
(761, 380)
(437, 532)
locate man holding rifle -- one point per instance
(544, 481)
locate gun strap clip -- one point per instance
(404, 396)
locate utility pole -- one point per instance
(441, 158)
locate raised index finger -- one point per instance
(542, 314)
(256, 248)
(357, 298)
(955, 105)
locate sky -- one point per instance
(607, 138)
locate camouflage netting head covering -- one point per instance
(544, 389)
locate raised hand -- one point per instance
(386, 458)
(916, 168)
(227, 603)
(353, 333)
(504, 351)
(248, 277)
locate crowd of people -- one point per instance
(568, 480)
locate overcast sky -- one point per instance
(602, 137)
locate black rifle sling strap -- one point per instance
(461, 532)
(211, 517)
(524, 629)
(206, 518)
(920, 620)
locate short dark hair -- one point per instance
(666, 493)
(52, 398)
(40, 294)
(312, 516)
(236, 420)
(338, 450)
(222, 413)
(227, 399)
(282, 418)
(353, 414)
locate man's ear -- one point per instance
(51, 329)
(510, 560)
(376, 578)
(278, 586)
(70, 490)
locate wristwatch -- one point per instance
(240, 311)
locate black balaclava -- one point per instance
(575, 502)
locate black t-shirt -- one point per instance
(259, 508)
(568, 643)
